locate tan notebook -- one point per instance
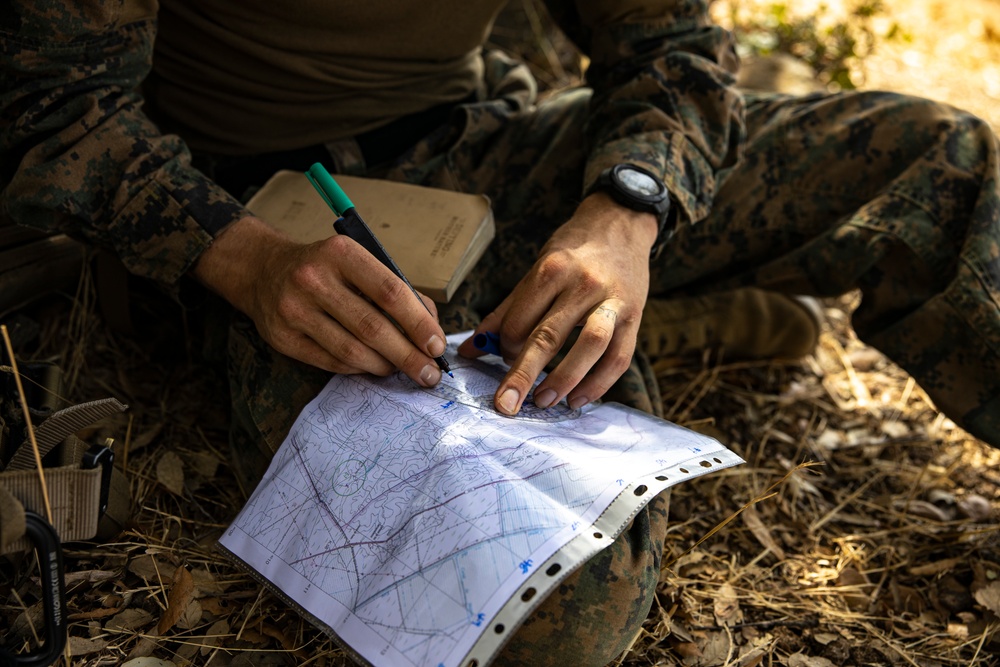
(435, 236)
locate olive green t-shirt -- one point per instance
(266, 75)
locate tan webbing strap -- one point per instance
(61, 425)
(74, 493)
(11, 520)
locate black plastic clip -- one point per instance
(99, 455)
(50, 563)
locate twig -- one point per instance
(27, 422)
(769, 493)
(763, 625)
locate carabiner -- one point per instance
(50, 563)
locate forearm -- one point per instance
(78, 154)
(234, 264)
(664, 97)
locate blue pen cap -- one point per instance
(488, 342)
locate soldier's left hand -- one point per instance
(592, 273)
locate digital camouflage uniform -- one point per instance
(815, 195)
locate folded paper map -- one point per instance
(420, 527)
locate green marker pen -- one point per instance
(350, 224)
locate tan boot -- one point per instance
(746, 323)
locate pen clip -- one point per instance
(328, 189)
(322, 193)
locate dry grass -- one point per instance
(868, 533)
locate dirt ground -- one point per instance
(861, 531)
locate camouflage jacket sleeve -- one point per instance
(663, 91)
(78, 155)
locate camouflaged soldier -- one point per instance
(811, 195)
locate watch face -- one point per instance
(639, 182)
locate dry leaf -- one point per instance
(751, 517)
(895, 429)
(937, 567)
(143, 440)
(187, 651)
(959, 631)
(143, 649)
(954, 595)
(802, 660)
(752, 659)
(976, 507)
(989, 597)
(151, 568)
(906, 599)
(927, 510)
(94, 614)
(214, 606)
(205, 583)
(865, 359)
(854, 584)
(180, 596)
(687, 650)
(170, 473)
(149, 662)
(716, 649)
(191, 616)
(216, 633)
(130, 619)
(82, 646)
(89, 576)
(727, 606)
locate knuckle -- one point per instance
(519, 378)
(414, 361)
(287, 310)
(383, 369)
(596, 336)
(340, 245)
(391, 290)
(547, 339)
(618, 364)
(552, 265)
(371, 326)
(589, 281)
(349, 352)
(307, 277)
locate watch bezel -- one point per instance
(661, 204)
(622, 185)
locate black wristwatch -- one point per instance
(640, 190)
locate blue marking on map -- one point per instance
(448, 404)
(479, 620)
(525, 565)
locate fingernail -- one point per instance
(435, 346)
(578, 402)
(430, 375)
(508, 401)
(546, 398)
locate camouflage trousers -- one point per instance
(894, 195)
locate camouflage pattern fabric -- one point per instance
(896, 195)
(816, 195)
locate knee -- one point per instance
(593, 616)
(954, 136)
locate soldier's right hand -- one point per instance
(327, 304)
